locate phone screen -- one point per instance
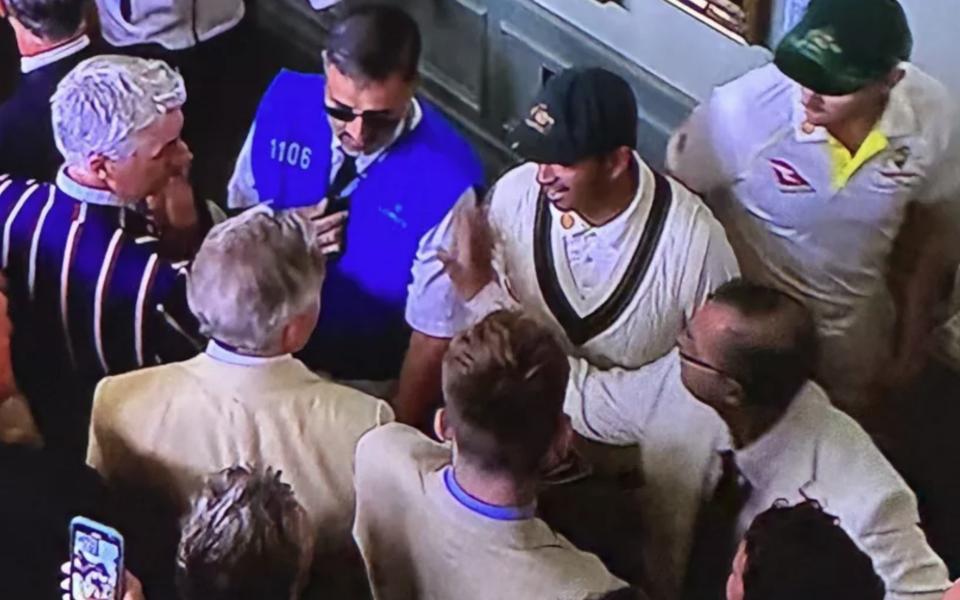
(96, 561)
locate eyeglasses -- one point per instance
(377, 119)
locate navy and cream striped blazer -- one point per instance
(90, 296)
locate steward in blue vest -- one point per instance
(392, 203)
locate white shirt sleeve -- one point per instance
(941, 191)
(490, 299)
(693, 155)
(433, 306)
(890, 534)
(242, 190)
(712, 260)
(613, 406)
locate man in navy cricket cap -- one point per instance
(823, 166)
(605, 252)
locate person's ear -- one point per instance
(100, 167)
(297, 332)
(732, 393)
(895, 77)
(619, 162)
(441, 426)
(4, 13)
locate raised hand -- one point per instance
(469, 260)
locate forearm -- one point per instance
(419, 391)
(919, 302)
(181, 243)
(920, 272)
(182, 218)
(612, 406)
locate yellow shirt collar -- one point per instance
(844, 164)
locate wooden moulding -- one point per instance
(744, 21)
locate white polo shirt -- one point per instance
(585, 282)
(806, 218)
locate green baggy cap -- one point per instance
(841, 46)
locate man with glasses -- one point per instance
(729, 423)
(358, 142)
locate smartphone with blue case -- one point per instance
(96, 561)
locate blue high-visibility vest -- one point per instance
(395, 201)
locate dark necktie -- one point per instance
(713, 544)
(345, 175)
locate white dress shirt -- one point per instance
(219, 352)
(814, 451)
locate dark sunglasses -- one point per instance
(373, 118)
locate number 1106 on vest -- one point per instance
(290, 153)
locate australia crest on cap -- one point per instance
(819, 42)
(539, 119)
(900, 156)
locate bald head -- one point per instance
(758, 336)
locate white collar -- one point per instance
(764, 458)
(86, 194)
(897, 120)
(219, 353)
(48, 57)
(408, 124)
(613, 230)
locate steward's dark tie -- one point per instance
(713, 544)
(345, 174)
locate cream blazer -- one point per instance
(166, 428)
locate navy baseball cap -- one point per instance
(580, 113)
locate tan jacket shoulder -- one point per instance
(200, 415)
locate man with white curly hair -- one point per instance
(255, 288)
(89, 259)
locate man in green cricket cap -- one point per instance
(828, 169)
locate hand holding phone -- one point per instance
(96, 561)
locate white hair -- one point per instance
(105, 100)
(252, 275)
